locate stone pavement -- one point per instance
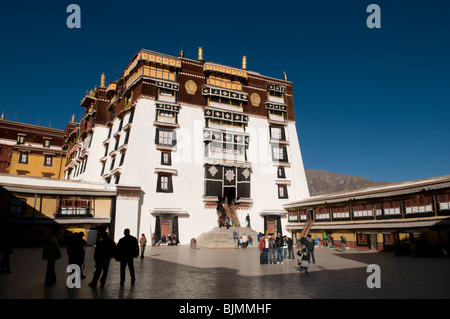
(180, 273)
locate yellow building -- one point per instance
(32, 206)
(31, 150)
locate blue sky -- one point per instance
(368, 102)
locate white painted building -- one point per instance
(182, 135)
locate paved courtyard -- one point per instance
(181, 273)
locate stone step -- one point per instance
(223, 237)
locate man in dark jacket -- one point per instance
(127, 250)
(280, 243)
(272, 249)
(310, 243)
(104, 251)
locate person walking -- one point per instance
(279, 242)
(127, 250)
(272, 249)
(51, 253)
(244, 241)
(343, 243)
(304, 260)
(143, 243)
(247, 219)
(310, 243)
(236, 239)
(104, 251)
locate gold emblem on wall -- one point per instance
(255, 99)
(190, 87)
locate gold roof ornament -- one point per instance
(181, 54)
(3, 115)
(200, 53)
(285, 76)
(73, 118)
(103, 80)
(244, 62)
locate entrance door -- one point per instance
(166, 227)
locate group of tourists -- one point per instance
(106, 249)
(242, 241)
(273, 250)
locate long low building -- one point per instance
(408, 215)
(32, 206)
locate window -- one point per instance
(277, 133)
(282, 191)
(47, 142)
(120, 125)
(281, 173)
(130, 119)
(74, 206)
(103, 169)
(117, 179)
(21, 139)
(164, 184)
(116, 145)
(48, 160)
(109, 131)
(166, 158)
(165, 137)
(23, 158)
(17, 205)
(127, 136)
(112, 164)
(279, 154)
(122, 158)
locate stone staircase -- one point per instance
(223, 237)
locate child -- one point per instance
(304, 260)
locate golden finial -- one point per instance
(200, 53)
(3, 115)
(103, 80)
(244, 62)
(285, 76)
(73, 117)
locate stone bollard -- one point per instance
(194, 243)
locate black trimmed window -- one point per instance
(113, 160)
(48, 160)
(164, 184)
(21, 139)
(122, 158)
(277, 133)
(23, 158)
(47, 142)
(165, 137)
(279, 154)
(282, 191)
(281, 172)
(17, 205)
(166, 158)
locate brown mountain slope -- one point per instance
(321, 182)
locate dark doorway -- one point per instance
(229, 193)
